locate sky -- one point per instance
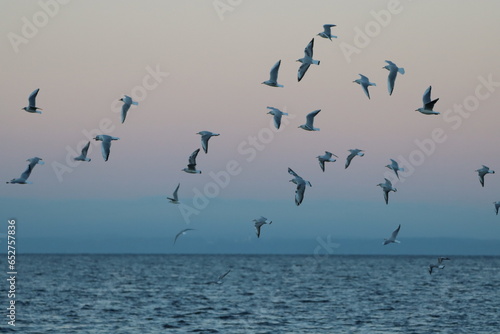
(198, 65)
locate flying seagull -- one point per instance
(174, 199)
(83, 156)
(182, 233)
(439, 265)
(106, 144)
(301, 186)
(258, 224)
(354, 152)
(32, 108)
(191, 167)
(387, 187)
(309, 121)
(273, 76)
(364, 82)
(392, 238)
(428, 104)
(277, 116)
(205, 136)
(327, 157)
(127, 102)
(497, 205)
(307, 60)
(220, 278)
(393, 72)
(23, 179)
(481, 172)
(395, 167)
(327, 33)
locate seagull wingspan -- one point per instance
(32, 97)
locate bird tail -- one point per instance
(316, 62)
(397, 241)
(373, 84)
(401, 70)
(135, 103)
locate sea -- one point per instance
(260, 294)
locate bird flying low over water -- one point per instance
(258, 224)
(127, 102)
(393, 72)
(327, 33)
(175, 199)
(392, 238)
(497, 205)
(273, 76)
(220, 278)
(428, 107)
(481, 172)
(277, 116)
(309, 126)
(395, 167)
(83, 155)
(205, 136)
(182, 233)
(307, 60)
(364, 82)
(327, 157)
(387, 187)
(301, 186)
(191, 167)
(354, 152)
(439, 265)
(105, 145)
(32, 108)
(23, 179)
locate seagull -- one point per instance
(83, 156)
(23, 179)
(326, 33)
(497, 205)
(439, 265)
(301, 186)
(364, 82)
(273, 76)
(428, 104)
(258, 224)
(106, 144)
(127, 102)
(393, 236)
(395, 167)
(481, 172)
(307, 60)
(220, 278)
(309, 121)
(354, 152)
(34, 161)
(32, 108)
(175, 199)
(205, 136)
(393, 72)
(387, 187)
(182, 233)
(191, 167)
(277, 116)
(327, 157)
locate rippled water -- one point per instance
(262, 294)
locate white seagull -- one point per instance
(174, 199)
(83, 155)
(327, 157)
(273, 76)
(428, 104)
(191, 167)
(127, 102)
(307, 60)
(32, 108)
(106, 144)
(258, 224)
(277, 116)
(481, 172)
(393, 72)
(395, 167)
(205, 136)
(354, 152)
(365, 82)
(497, 205)
(392, 238)
(23, 179)
(182, 233)
(309, 126)
(301, 186)
(387, 187)
(327, 33)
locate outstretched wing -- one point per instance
(308, 51)
(192, 157)
(395, 233)
(299, 193)
(27, 172)
(125, 108)
(274, 71)
(85, 149)
(302, 70)
(105, 148)
(175, 192)
(32, 97)
(327, 28)
(427, 96)
(310, 118)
